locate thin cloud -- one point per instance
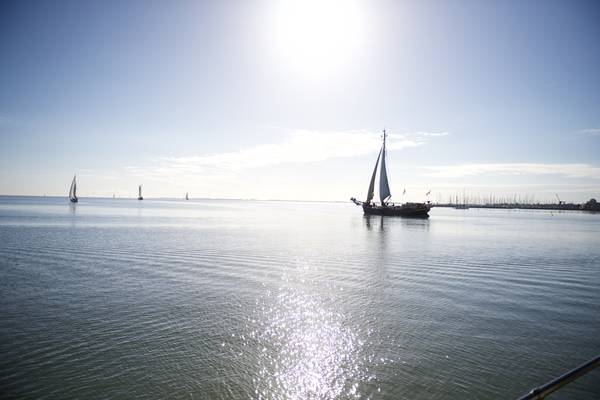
(567, 170)
(428, 134)
(301, 147)
(590, 131)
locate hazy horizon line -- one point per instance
(509, 195)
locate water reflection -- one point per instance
(367, 221)
(381, 222)
(307, 348)
(374, 221)
(73, 215)
(416, 223)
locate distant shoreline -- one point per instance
(548, 207)
(174, 198)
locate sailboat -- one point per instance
(415, 210)
(140, 197)
(187, 196)
(73, 191)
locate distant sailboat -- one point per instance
(418, 210)
(73, 191)
(140, 197)
(187, 196)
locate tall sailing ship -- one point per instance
(73, 191)
(415, 210)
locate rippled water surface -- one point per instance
(283, 300)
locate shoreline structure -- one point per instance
(590, 205)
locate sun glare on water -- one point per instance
(317, 37)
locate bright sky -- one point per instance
(286, 99)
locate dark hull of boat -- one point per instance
(74, 200)
(140, 198)
(407, 211)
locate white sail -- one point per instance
(187, 196)
(384, 187)
(139, 191)
(73, 189)
(371, 191)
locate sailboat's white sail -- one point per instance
(371, 192)
(384, 187)
(140, 192)
(187, 196)
(73, 189)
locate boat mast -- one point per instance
(384, 187)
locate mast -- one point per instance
(384, 187)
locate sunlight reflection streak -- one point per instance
(309, 351)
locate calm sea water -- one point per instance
(282, 300)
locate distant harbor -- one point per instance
(591, 205)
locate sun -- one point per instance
(317, 37)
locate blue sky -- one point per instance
(286, 99)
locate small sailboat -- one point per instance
(187, 196)
(140, 197)
(415, 210)
(73, 191)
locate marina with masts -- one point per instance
(515, 201)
